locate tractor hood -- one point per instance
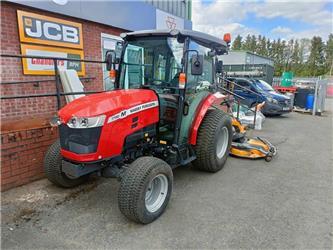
(107, 103)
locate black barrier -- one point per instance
(56, 78)
(230, 92)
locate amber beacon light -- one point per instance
(227, 37)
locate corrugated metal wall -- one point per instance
(181, 8)
(254, 59)
(234, 58)
(243, 57)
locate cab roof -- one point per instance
(204, 39)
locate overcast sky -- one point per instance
(272, 18)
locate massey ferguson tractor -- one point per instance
(165, 111)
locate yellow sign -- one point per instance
(39, 29)
(39, 66)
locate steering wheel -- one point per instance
(156, 80)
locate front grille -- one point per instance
(284, 103)
(80, 141)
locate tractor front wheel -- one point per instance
(213, 141)
(52, 168)
(145, 189)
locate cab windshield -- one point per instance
(153, 62)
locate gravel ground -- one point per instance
(284, 204)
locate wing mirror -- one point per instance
(197, 64)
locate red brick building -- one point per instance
(25, 130)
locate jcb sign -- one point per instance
(34, 28)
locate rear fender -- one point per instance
(207, 103)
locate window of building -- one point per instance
(108, 43)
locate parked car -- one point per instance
(261, 91)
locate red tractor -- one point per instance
(165, 111)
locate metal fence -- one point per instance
(296, 80)
(259, 71)
(319, 84)
(320, 96)
(58, 94)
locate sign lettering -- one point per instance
(42, 66)
(133, 110)
(34, 28)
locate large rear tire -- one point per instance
(145, 189)
(52, 168)
(213, 141)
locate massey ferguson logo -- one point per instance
(46, 30)
(133, 110)
(171, 22)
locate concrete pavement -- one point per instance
(284, 204)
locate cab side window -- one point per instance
(197, 83)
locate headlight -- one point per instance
(270, 99)
(86, 122)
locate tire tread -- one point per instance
(132, 184)
(52, 168)
(205, 149)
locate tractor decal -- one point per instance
(124, 113)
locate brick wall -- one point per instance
(23, 144)
(22, 155)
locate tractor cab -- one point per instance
(179, 66)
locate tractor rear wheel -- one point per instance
(213, 141)
(145, 189)
(52, 168)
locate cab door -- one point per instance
(197, 88)
(135, 71)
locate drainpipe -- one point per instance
(189, 10)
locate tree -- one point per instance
(237, 44)
(295, 59)
(284, 55)
(277, 56)
(288, 52)
(305, 45)
(316, 59)
(253, 43)
(304, 57)
(329, 54)
(295, 55)
(246, 44)
(257, 47)
(269, 48)
(304, 52)
(262, 47)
